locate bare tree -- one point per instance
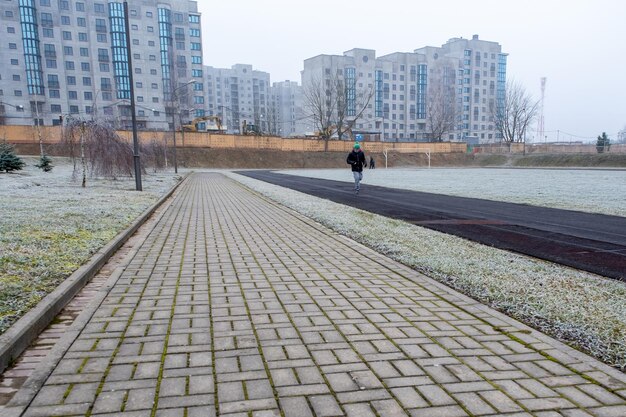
(441, 110)
(514, 112)
(334, 106)
(103, 152)
(320, 106)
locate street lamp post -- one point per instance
(173, 95)
(19, 107)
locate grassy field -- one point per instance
(50, 226)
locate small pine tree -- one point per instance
(8, 160)
(603, 143)
(45, 164)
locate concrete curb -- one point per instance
(21, 334)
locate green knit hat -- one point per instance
(357, 146)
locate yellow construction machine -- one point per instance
(216, 126)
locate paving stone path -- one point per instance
(236, 306)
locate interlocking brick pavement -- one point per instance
(236, 306)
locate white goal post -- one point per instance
(426, 150)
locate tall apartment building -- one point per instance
(238, 94)
(67, 57)
(480, 80)
(405, 90)
(287, 115)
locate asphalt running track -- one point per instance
(591, 242)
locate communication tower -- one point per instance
(540, 122)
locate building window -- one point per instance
(47, 32)
(195, 33)
(87, 81)
(155, 86)
(74, 109)
(16, 77)
(14, 62)
(71, 80)
(196, 60)
(12, 46)
(67, 36)
(46, 20)
(85, 66)
(84, 51)
(72, 95)
(10, 29)
(45, 3)
(101, 37)
(148, 14)
(80, 7)
(194, 18)
(51, 63)
(98, 7)
(81, 21)
(104, 67)
(55, 108)
(17, 93)
(88, 95)
(82, 37)
(64, 4)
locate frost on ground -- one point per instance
(50, 226)
(592, 191)
(585, 310)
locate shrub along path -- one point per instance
(235, 305)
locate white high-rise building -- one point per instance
(69, 58)
(287, 115)
(237, 95)
(462, 81)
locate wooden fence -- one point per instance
(52, 135)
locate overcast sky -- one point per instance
(579, 45)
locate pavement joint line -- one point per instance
(24, 331)
(169, 325)
(289, 316)
(131, 316)
(524, 328)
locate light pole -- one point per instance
(172, 97)
(19, 107)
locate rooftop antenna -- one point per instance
(540, 122)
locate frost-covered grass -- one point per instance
(582, 309)
(50, 226)
(593, 191)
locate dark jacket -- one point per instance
(357, 160)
